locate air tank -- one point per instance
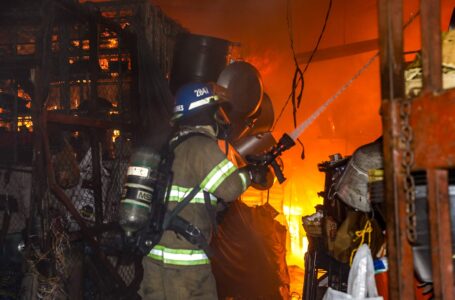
(138, 190)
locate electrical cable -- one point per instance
(347, 84)
(298, 131)
(298, 79)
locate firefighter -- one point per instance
(176, 268)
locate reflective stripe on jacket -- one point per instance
(179, 257)
(198, 161)
(218, 174)
(178, 193)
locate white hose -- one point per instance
(302, 126)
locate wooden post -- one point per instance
(440, 233)
(401, 269)
(431, 45)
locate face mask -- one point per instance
(223, 125)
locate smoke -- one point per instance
(260, 26)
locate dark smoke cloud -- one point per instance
(260, 26)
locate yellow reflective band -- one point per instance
(218, 174)
(182, 257)
(177, 194)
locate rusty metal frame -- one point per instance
(401, 272)
(63, 198)
(41, 143)
(432, 118)
(37, 65)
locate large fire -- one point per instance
(352, 120)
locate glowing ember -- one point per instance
(104, 64)
(115, 134)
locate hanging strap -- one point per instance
(367, 230)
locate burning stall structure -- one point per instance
(404, 180)
(417, 137)
(71, 96)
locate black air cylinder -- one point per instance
(135, 206)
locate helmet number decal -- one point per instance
(201, 92)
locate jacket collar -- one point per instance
(206, 130)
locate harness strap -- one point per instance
(191, 233)
(173, 221)
(211, 211)
(178, 208)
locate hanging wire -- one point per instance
(298, 82)
(349, 82)
(321, 108)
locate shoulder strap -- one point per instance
(170, 215)
(172, 220)
(210, 210)
(187, 199)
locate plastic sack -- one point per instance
(361, 282)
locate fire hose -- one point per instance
(287, 141)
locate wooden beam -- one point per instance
(339, 51)
(82, 121)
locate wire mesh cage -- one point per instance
(15, 194)
(69, 100)
(94, 192)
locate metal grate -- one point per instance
(82, 69)
(15, 194)
(72, 164)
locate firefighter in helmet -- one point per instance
(177, 268)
